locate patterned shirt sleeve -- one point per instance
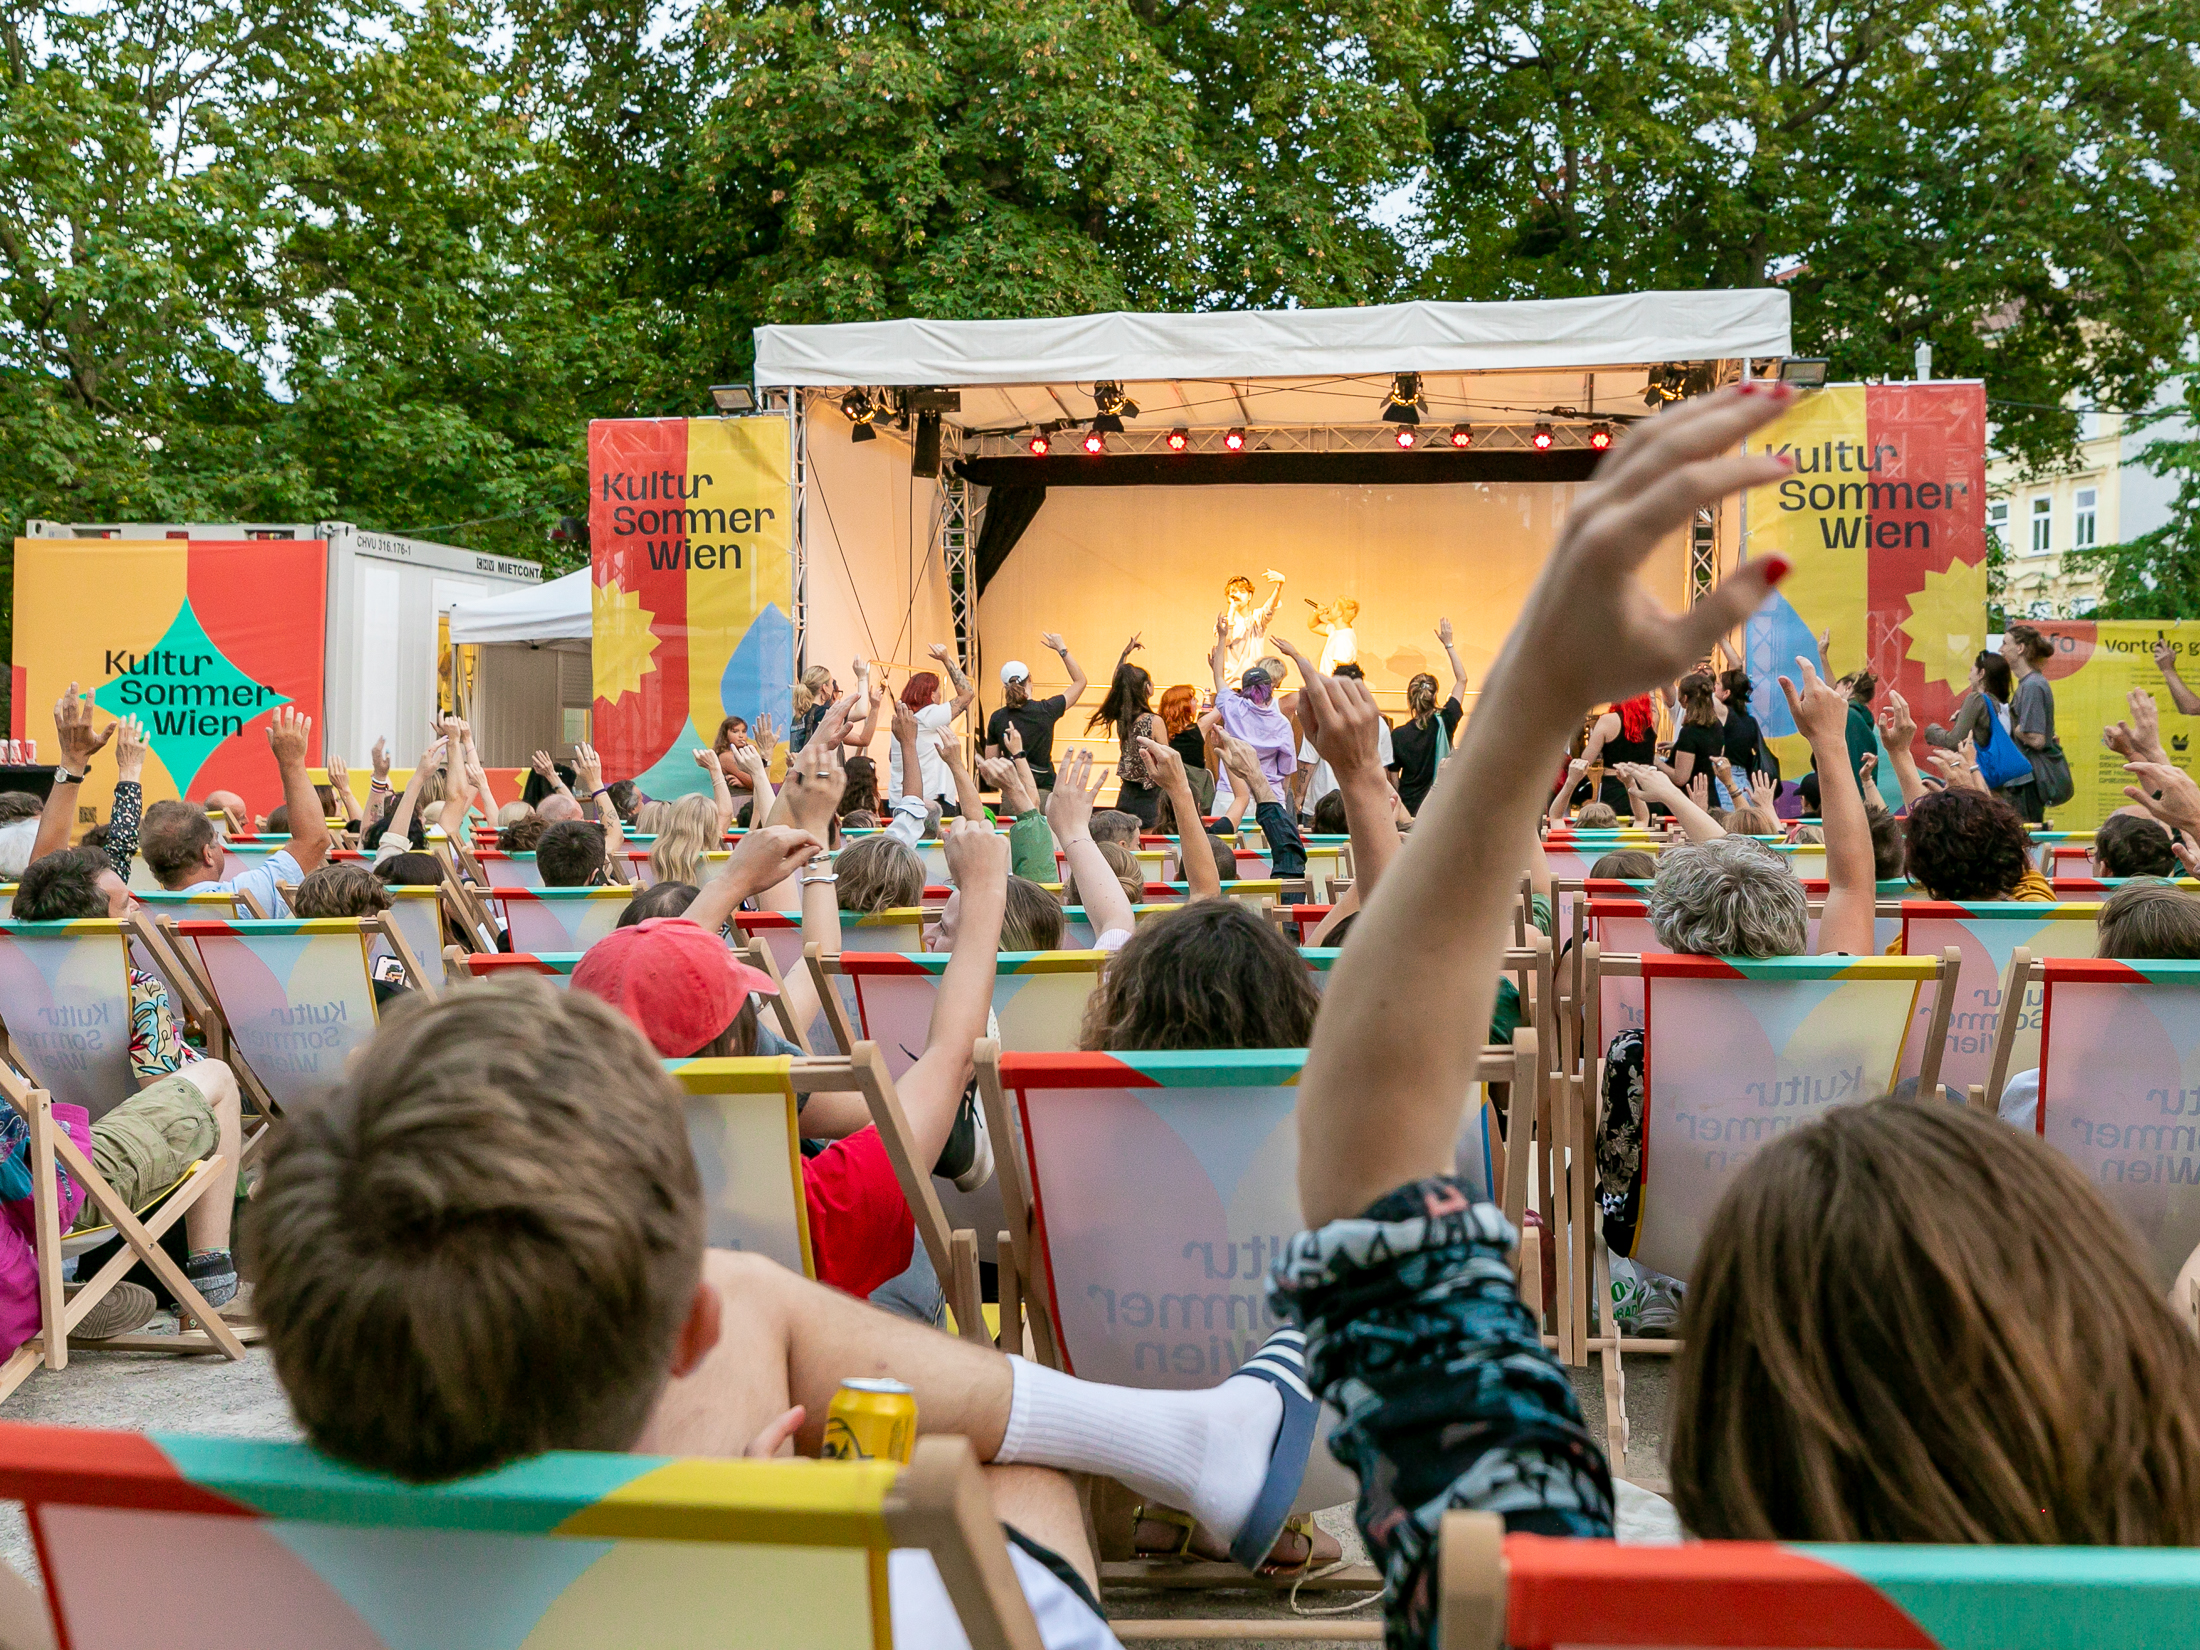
(122, 826)
(157, 1048)
(1417, 1336)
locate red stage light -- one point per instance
(1462, 436)
(1178, 440)
(1404, 437)
(1600, 436)
(1234, 440)
(1542, 438)
(1039, 444)
(1095, 443)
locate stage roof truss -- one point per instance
(1516, 436)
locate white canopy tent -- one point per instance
(556, 611)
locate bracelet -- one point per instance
(600, 790)
(830, 876)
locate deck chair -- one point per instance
(58, 1312)
(236, 904)
(1536, 1592)
(555, 966)
(266, 1546)
(295, 996)
(1147, 1195)
(743, 1126)
(1737, 1053)
(509, 870)
(65, 1008)
(417, 913)
(559, 919)
(1987, 934)
(2120, 1088)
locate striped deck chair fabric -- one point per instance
(555, 966)
(416, 913)
(256, 1546)
(1039, 999)
(1737, 1053)
(2119, 1089)
(1986, 933)
(509, 870)
(741, 1117)
(65, 1002)
(1538, 1592)
(559, 919)
(296, 993)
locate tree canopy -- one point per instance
(290, 259)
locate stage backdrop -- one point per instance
(691, 524)
(1884, 520)
(2096, 664)
(198, 639)
(1101, 563)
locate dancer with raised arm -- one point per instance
(1241, 627)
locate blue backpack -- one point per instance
(2000, 762)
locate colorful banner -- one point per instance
(2095, 666)
(1884, 524)
(691, 524)
(199, 640)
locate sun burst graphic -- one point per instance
(622, 643)
(1947, 623)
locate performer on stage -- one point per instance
(1335, 622)
(1242, 627)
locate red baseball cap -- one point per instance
(673, 978)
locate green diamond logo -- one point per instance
(189, 696)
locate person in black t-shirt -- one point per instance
(1701, 742)
(1745, 740)
(1034, 718)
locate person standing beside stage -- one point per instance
(2031, 715)
(1033, 718)
(1745, 739)
(1335, 624)
(1127, 712)
(921, 694)
(1414, 742)
(1241, 627)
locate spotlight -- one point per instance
(733, 398)
(1039, 444)
(1178, 440)
(1803, 372)
(1541, 440)
(1403, 404)
(1404, 437)
(1234, 440)
(1096, 440)
(861, 412)
(1600, 436)
(1114, 407)
(1462, 435)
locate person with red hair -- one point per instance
(921, 693)
(1624, 732)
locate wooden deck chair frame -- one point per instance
(759, 956)
(824, 967)
(248, 1080)
(1610, 1346)
(50, 1145)
(2024, 968)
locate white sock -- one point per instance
(1205, 1453)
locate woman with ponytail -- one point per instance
(1415, 742)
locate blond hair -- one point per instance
(689, 826)
(879, 873)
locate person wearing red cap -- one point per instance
(693, 998)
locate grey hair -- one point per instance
(1729, 897)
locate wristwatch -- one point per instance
(62, 776)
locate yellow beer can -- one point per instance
(872, 1418)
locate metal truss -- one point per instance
(1514, 436)
(959, 519)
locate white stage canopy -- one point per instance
(558, 610)
(1561, 334)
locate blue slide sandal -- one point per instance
(1281, 1362)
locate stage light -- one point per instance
(1462, 435)
(1404, 437)
(1096, 441)
(1600, 436)
(861, 412)
(1803, 372)
(1234, 440)
(1542, 439)
(924, 447)
(733, 398)
(1403, 404)
(1179, 440)
(1114, 406)
(1039, 444)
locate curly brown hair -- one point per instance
(1211, 975)
(1964, 844)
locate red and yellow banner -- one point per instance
(1884, 524)
(691, 530)
(199, 640)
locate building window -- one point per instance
(2043, 517)
(2043, 610)
(2082, 607)
(1997, 523)
(2084, 524)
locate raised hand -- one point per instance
(938, 650)
(1443, 631)
(288, 732)
(1135, 644)
(810, 798)
(1003, 776)
(542, 765)
(1958, 769)
(1764, 791)
(381, 756)
(2178, 805)
(73, 717)
(588, 767)
(1273, 576)
(1052, 641)
(977, 854)
(2146, 725)
(1865, 768)
(1076, 783)
(1821, 711)
(905, 724)
(2187, 851)
(764, 736)
(130, 749)
(1012, 740)
(769, 854)
(339, 777)
(1896, 725)
(1339, 716)
(1164, 762)
(2165, 655)
(1699, 790)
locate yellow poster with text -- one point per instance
(2095, 667)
